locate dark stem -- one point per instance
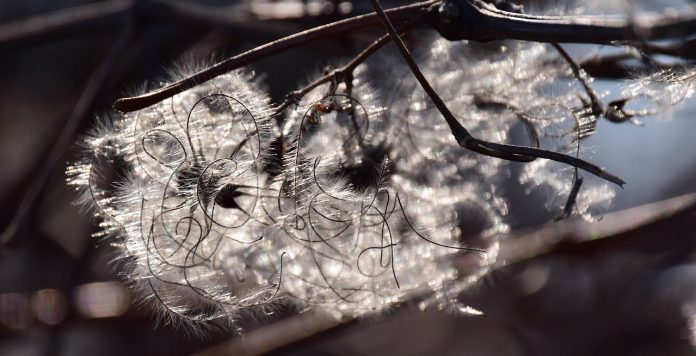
(613, 112)
(478, 20)
(462, 135)
(345, 73)
(462, 19)
(399, 15)
(596, 104)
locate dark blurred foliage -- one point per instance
(632, 293)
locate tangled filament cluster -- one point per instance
(358, 201)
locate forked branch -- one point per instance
(344, 74)
(455, 20)
(399, 15)
(462, 135)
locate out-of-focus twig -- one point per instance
(94, 88)
(618, 66)
(575, 231)
(277, 335)
(63, 22)
(479, 20)
(104, 15)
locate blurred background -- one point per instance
(631, 293)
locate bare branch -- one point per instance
(478, 20)
(400, 14)
(345, 73)
(466, 140)
(463, 19)
(95, 86)
(596, 104)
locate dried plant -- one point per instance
(354, 194)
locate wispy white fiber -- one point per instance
(360, 200)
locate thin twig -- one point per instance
(471, 19)
(345, 73)
(572, 196)
(478, 20)
(596, 104)
(457, 130)
(492, 149)
(399, 14)
(614, 111)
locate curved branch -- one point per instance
(345, 73)
(398, 15)
(459, 19)
(462, 135)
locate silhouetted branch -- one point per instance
(399, 15)
(345, 73)
(462, 135)
(478, 20)
(463, 19)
